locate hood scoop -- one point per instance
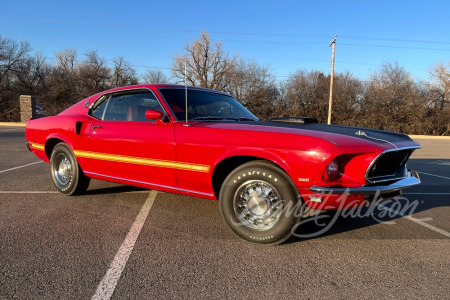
(298, 120)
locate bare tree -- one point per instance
(306, 94)
(348, 95)
(65, 80)
(207, 64)
(93, 73)
(32, 74)
(155, 76)
(67, 69)
(253, 85)
(391, 100)
(12, 54)
(440, 76)
(67, 60)
(123, 73)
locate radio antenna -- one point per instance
(185, 93)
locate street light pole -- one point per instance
(330, 102)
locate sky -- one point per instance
(284, 36)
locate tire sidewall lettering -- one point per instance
(262, 171)
(247, 174)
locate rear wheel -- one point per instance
(67, 175)
(259, 203)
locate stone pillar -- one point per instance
(27, 104)
(29, 108)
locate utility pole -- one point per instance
(330, 102)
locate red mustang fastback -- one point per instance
(204, 143)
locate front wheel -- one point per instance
(67, 175)
(260, 203)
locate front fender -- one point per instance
(258, 153)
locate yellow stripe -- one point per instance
(134, 160)
(37, 146)
(142, 161)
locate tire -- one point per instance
(259, 203)
(67, 175)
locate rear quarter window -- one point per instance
(98, 110)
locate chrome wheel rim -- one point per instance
(258, 205)
(63, 169)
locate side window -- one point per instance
(131, 107)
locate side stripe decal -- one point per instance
(134, 160)
(142, 161)
(37, 146)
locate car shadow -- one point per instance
(427, 196)
(115, 190)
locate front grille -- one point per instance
(389, 165)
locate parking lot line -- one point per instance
(417, 221)
(15, 129)
(56, 192)
(426, 193)
(443, 161)
(108, 284)
(29, 192)
(434, 175)
(23, 166)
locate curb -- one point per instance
(12, 124)
(431, 137)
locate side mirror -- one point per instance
(153, 114)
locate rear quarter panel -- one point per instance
(48, 131)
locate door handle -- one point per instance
(95, 127)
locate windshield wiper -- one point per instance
(241, 119)
(207, 118)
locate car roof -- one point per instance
(160, 86)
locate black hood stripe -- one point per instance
(373, 135)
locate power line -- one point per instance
(159, 28)
(256, 34)
(395, 47)
(266, 41)
(395, 40)
(131, 65)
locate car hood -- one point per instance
(332, 133)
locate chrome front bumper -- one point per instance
(368, 190)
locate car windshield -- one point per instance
(205, 106)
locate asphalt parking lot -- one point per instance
(129, 243)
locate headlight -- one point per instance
(332, 172)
